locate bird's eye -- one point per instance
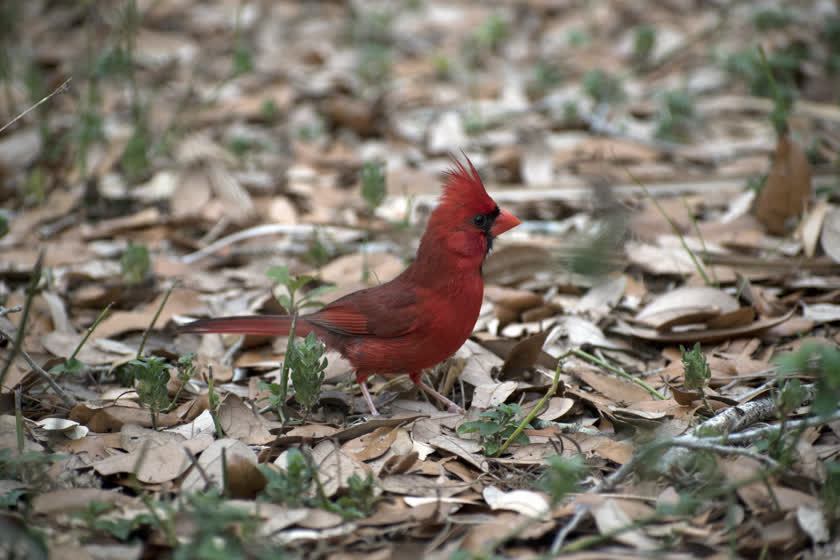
(479, 220)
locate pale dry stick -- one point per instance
(611, 481)
(60, 89)
(6, 310)
(755, 433)
(257, 231)
(733, 419)
(720, 449)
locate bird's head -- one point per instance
(467, 220)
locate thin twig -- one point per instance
(756, 433)
(69, 401)
(60, 89)
(6, 310)
(674, 227)
(527, 420)
(154, 320)
(724, 450)
(618, 371)
(30, 294)
(90, 331)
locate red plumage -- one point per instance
(419, 318)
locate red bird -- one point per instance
(419, 318)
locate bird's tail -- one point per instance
(269, 325)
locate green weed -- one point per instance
(496, 425)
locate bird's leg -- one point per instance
(451, 406)
(366, 393)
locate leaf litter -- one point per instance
(258, 126)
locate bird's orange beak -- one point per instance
(504, 221)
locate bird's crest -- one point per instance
(463, 187)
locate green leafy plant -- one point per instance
(373, 192)
(774, 76)
(214, 402)
(545, 75)
(313, 376)
(370, 31)
(307, 369)
(496, 425)
(373, 184)
(442, 65)
(359, 500)
(222, 530)
(29, 467)
(697, 371)
(491, 33)
(676, 116)
(644, 41)
(299, 486)
(318, 253)
(578, 38)
(562, 476)
(486, 38)
(602, 86)
(819, 360)
(135, 264)
(151, 376)
(294, 486)
(135, 157)
(769, 19)
(185, 368)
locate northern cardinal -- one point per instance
(419, 318)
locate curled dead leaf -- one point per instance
(787, 188)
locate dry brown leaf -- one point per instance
(757, 495)
(737, 318)
(683, 305)
(244, 479)
(112, 418)
(180, 302)
(75, 499)
(399, 464)
(704, 335)
(211, 463)
(811, 226)
(787, 188)
(335, 467)
(830, 238)
(516, 300)
(523, 356)
(372, 445)
(491, 394)
(609, 516)
(616, 451)
(155, 463)
(240, 422)
(617, 390)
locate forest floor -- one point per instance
(655, 370)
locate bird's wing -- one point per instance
(379, 312)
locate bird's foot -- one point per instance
(450, 406)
